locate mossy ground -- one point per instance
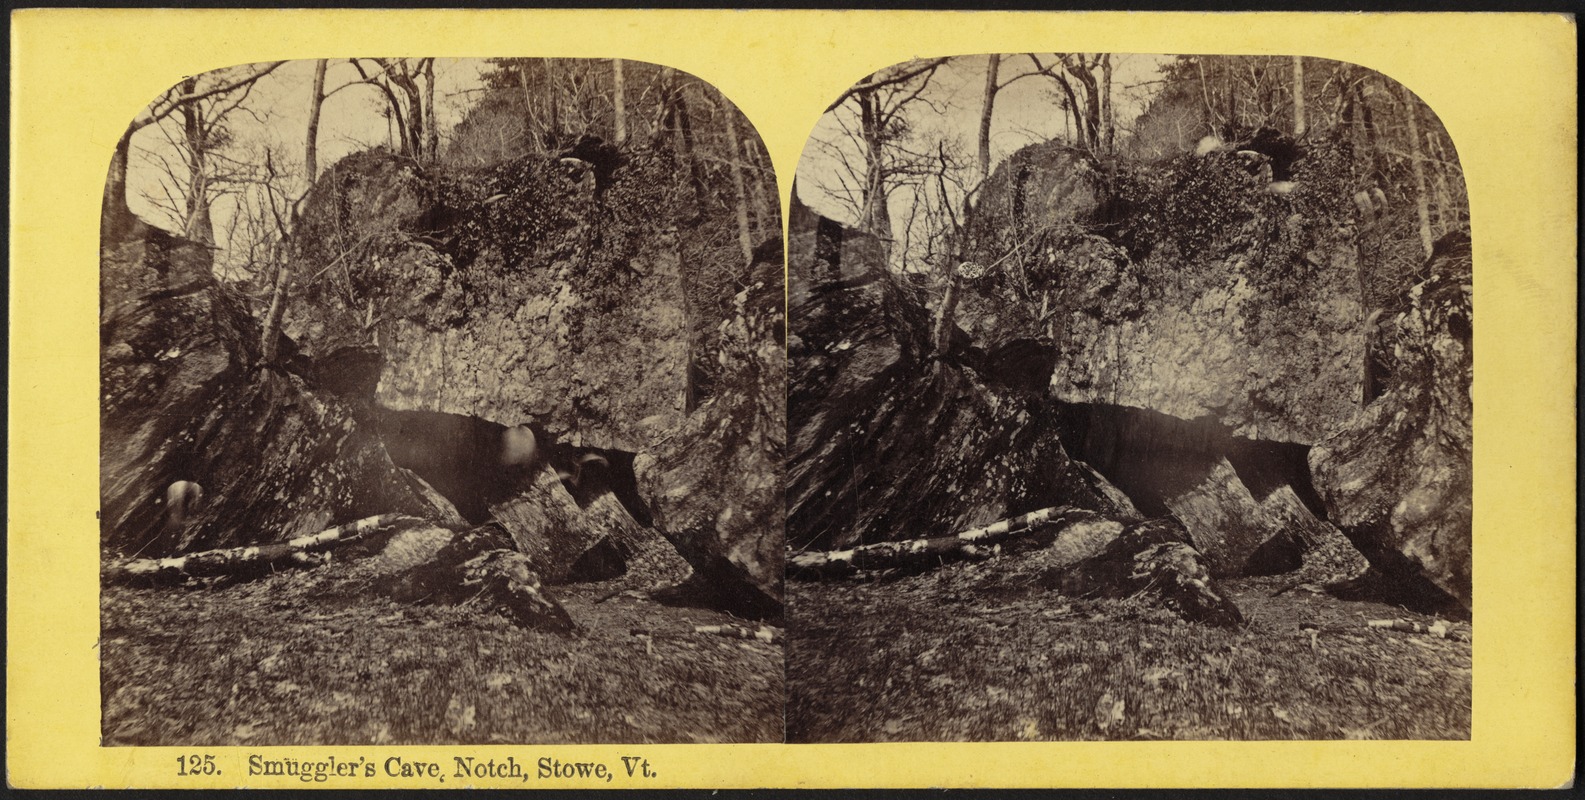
(312, 657)
(959, 654)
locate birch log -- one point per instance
(239, 560)
(895, 554)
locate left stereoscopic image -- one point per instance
(442, 401)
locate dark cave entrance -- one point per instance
(1153, 457)
(461, 457)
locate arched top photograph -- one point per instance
(416, 375)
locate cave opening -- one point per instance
(464, 459)
(1153, 457)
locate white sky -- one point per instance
(1026, 112)
(349, 121)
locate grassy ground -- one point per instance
(969, 652)
(312, 657)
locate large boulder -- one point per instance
(550, 528)
(1185, 287)
(184, 398)
(1397, 477)
(888, 441)
(715, 483)
(512, 293)
(1156, 559)
(1230, 528)
(432, 565)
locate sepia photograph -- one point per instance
(442, 402)
(820, 399)
(1129, 399)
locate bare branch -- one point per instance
(874, 83)
(151, 115)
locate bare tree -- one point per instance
(1298, 96)
(116, 216)
(407, 86)
(618, 102)
(673, 118)
(1088, 95)
(741, 206)
(316, 103)
(946, 312)
(765, 224)
(987, 108)
(432, 126)
(276, 206)
(1422, 200)
(882, 134)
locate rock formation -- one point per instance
(887, 441)
(1397, 477)
(715, 483)
(1182, 288)
(183, 394)
(504, 293)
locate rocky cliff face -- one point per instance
(1397, 478)
(888, 442)
(1207, 325)
(183, 394)
(523, 292)
(716, 484)
(1196, 288)
(511, 344)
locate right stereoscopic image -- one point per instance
(1129, 398)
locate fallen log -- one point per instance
(251, 559)
(886, 555)
(1440, 628)
(764, 633)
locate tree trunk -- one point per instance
(946, 314)
(529, 119)
(663, 114)
(1233, 120)
(409, 142)
(431, 131)
(115, 216)
(277, 312)
(311, 147)
(987, 108)
(553, 98)
(764, 215)
(1205, 96)
(1079, 139)
(1367, 127)
(1445, 221)
(196, 225)
(743, 235)
(764, 633)
(1298, 96)
(619, 101)
(876, 214)
(685, 136)
(1108, 117)
(1091, 120)
(1422, 200)
(415, 120)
